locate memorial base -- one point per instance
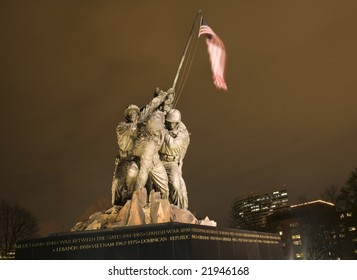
(166, 241)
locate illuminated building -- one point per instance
(347, 233)
(250, 213)
(307, 230)
(9, 256)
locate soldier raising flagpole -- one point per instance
(153, 138)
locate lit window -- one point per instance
(294, 225)
(297, 242)
(354, 240)
(280, 233)
(296, 236)
(349, 214)
(299, 255)
(351, 228)
(341, 235)
(355, 251)
(342, 216)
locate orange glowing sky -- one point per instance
(69, 69)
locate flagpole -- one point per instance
(185, 51)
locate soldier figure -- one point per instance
(172, 154)
(126, 169)
(147, 147)
(128, 133)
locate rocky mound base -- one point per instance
(138, 211)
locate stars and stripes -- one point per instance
(217, 55)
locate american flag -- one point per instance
(217, 55)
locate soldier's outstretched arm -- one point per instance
(160, 97)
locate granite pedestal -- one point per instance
(167, 241)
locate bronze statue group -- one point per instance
(152, 145)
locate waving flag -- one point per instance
(217, 55)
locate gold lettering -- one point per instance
(201, 237)
(153, 240)
(179, 237)
(170, 231)
(133, 242)
(65, 241)
(116, 236)
(66, 249)
(51, 243)
(120, 243)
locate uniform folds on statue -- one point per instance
(152, 145)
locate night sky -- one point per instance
(70, 68)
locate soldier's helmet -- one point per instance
(130, 108)
(173, 115)
(154, 124)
